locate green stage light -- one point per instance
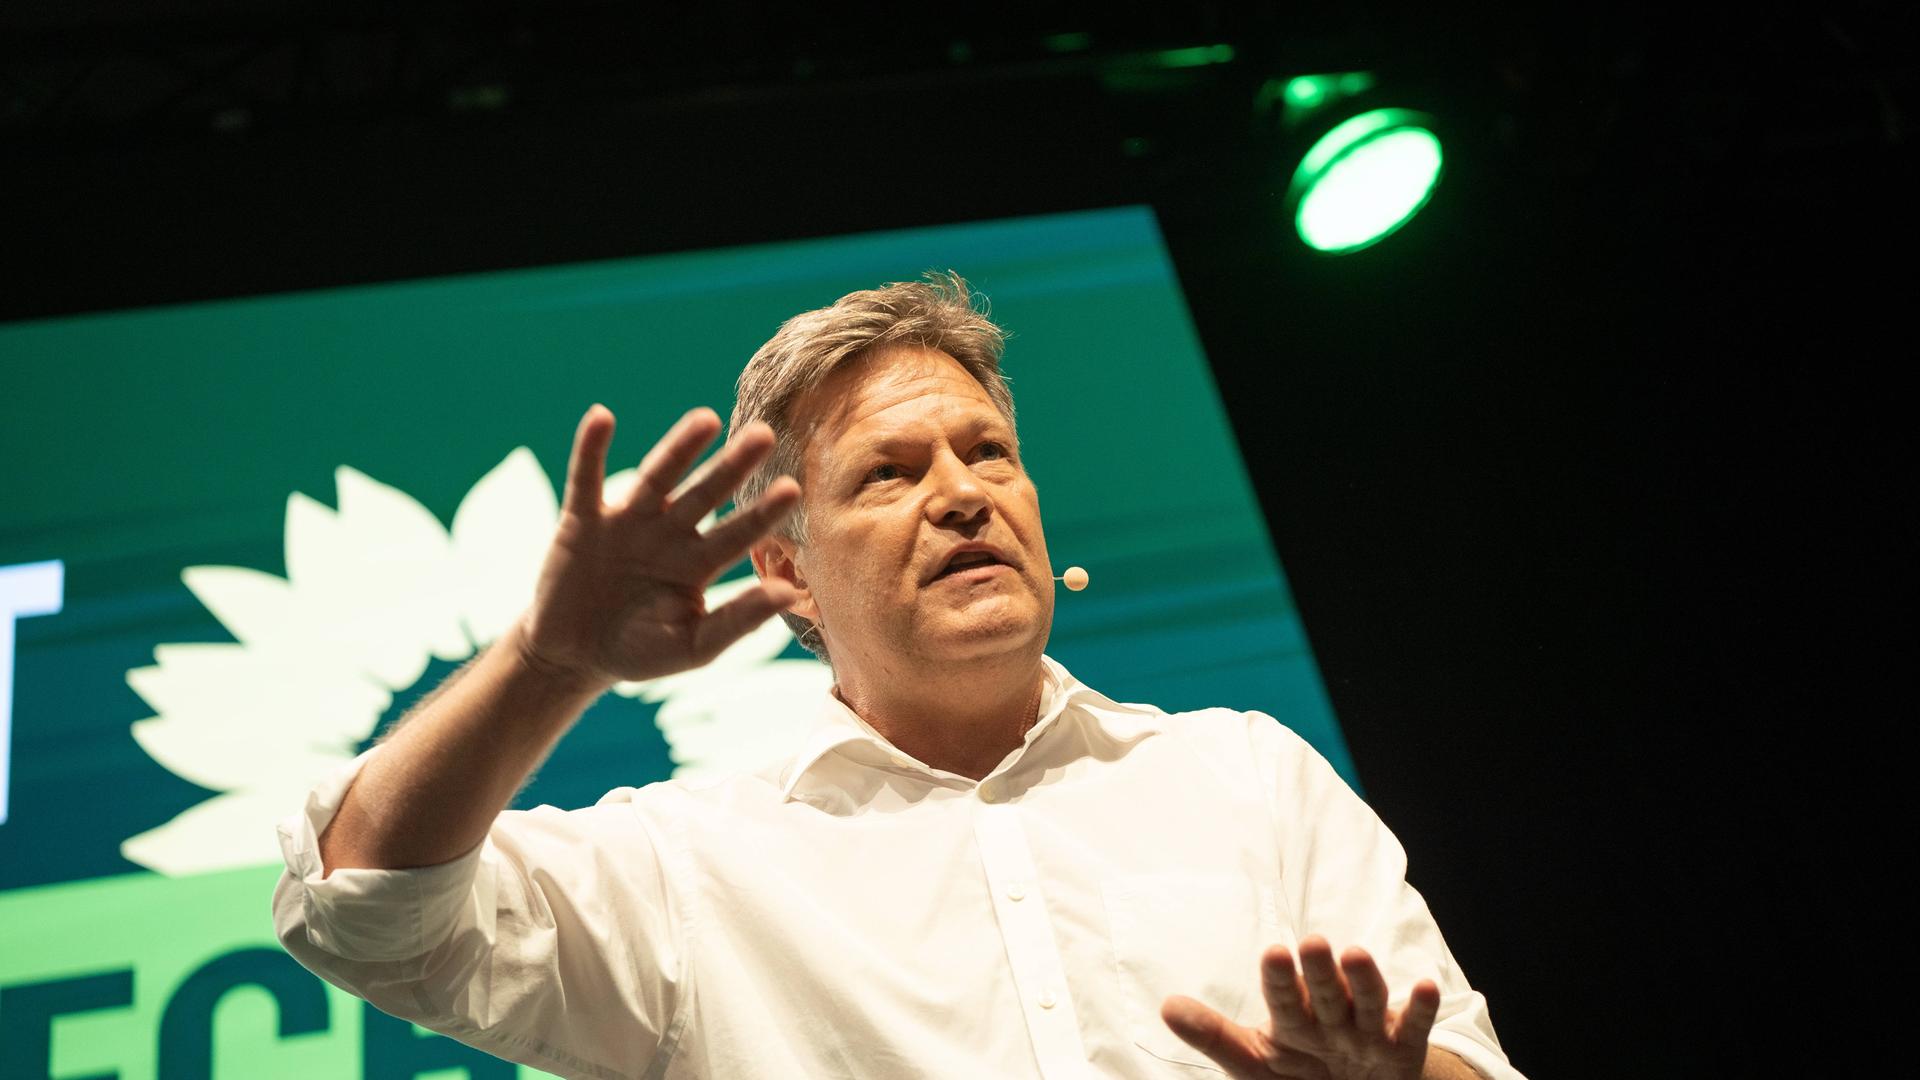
(1365, 178)
(1309, 91)
(1194, 56)
(1303, 97)
(1304, 93)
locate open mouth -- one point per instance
(971, 564)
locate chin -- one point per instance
(988, 636)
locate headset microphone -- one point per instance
(1075, 578)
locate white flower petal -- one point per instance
(741, 721)
(375, 585)
(255, 607)
(404, 578)
(282, 694)
(313, 543)
(224, 833)
(617, 488)
(500, 538)
(324, 586)
(230, 753)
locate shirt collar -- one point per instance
(1063, 699)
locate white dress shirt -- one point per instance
(851, 912)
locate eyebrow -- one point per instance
(977, 424)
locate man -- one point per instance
(977, 867)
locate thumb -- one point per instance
(1238, 1050)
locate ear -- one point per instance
(777, 556)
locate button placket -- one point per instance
(1027, 931)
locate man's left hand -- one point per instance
(1325, 1021)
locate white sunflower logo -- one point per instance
(373, 591)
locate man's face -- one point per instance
(910, 458)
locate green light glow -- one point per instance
(1307, 91)
(1195, 56)
(1304, 96)
(1365, 179)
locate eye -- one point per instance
(1000, 450)
(884, 472)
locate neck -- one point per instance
(965, 719)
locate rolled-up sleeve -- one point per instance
(1344, 878)
(555, 942)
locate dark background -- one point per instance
(1590, 482)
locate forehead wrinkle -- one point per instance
(972, 422)
(886, 388)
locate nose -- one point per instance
(958, 497)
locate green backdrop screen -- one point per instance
(237, 538)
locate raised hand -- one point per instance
(1325, 1021)
(621, 595)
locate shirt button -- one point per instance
(1046, 999)
(990, 792)
(1016, 891)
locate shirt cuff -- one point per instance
(364, 914)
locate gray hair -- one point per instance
(937, 313)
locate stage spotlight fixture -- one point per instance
(1368, 168)
(1364, 179)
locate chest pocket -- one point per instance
(1196, 934)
